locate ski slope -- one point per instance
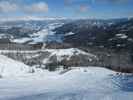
(91, 83)
(80, 83)
(11, 68)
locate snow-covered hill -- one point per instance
(11, 68)
(67, 54)
(77, 83)
(90, 83)
(53, 57)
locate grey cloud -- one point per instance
(6, 7)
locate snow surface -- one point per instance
(90, 83)
(81, 83)
(22, 40)
(70, 33)
(60, 53)
(40, 36)
(47, 34)
(67, 53)
(70, 52)
(122, 36)
(11, 68)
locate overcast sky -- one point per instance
(67, 8)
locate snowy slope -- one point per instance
(61, 57)
(90, 83)
(9, 67)
(68, 53)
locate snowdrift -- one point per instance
(9, 67)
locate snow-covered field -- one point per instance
(91, 83)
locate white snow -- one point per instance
(11, 68)
(54, 25)
(79, 83)
(40, 36)
(46, 34)
(70, 33)
(91, 83)
(68, 53)
(22, 40)
(59, 53)
(3, 36)
(43, 35)
(122, 36)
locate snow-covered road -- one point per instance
(91, 83)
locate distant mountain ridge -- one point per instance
(33, 18)
(111, 33)
(116, 33)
